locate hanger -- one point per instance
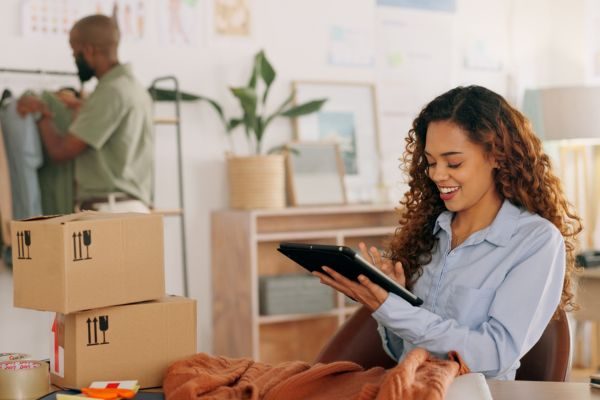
(6, 94)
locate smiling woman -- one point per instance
(486, 238)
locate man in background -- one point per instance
(110, 138)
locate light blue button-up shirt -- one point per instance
(489, 299)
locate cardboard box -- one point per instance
(87, 260)
(134, 341)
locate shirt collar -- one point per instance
(115, 72)
(498, 232)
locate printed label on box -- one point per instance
(97, 327)
(23, 243)
(82, 241)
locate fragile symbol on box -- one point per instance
(77, 245)
(23, 239)
(92, 328)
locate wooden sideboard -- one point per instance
(244, 247)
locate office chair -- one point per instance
(358, 341)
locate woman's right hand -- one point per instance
(394, 271)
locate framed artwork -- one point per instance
(232, 17)
(315, 174)
(348, 118)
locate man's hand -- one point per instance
(29, 104)
(365, 291)
(69, 99)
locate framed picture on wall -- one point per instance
(348, 118)
(315, 174)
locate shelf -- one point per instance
(276, 319)
(329, 210)
(166, 121)
(332, 234)
(281, 318)
(168, 212)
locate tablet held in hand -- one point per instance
(345, 261)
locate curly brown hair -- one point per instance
(523, 176)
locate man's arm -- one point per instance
(59, 147)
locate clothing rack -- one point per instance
(175, 121)
(37, 72)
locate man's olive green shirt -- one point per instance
(116, 123)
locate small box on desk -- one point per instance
(294, 294)
(87, 260)
(134, 341)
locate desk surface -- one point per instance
(524, 390)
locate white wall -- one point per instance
(538, 42)
(548, 44)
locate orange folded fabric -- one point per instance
(418, 376)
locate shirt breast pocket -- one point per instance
(470, 306)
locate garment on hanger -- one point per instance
(57, 180)
(6, 214)
(5, 195)
(24, 153)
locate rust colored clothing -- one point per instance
(418, 376)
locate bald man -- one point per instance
(111, 135)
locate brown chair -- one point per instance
(358, 341)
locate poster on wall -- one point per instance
(350, 47)
(427, 5)
(414, 58)
(232, 18)
(129, 14)
(482, 54)
(49, 18)
(178, 21)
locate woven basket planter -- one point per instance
(256, 181)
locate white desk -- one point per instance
(524, 390)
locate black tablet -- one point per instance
(345, 261)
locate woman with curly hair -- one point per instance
(486, 238)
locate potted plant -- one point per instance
(258, 181)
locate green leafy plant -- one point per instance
(253, 101)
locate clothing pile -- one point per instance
(418, 376)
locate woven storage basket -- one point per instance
(256, 181)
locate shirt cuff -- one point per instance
(393, 348)
(402, 318)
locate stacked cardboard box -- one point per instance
(103, 275)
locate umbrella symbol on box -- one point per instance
(27, 242)
(87, 241)
(80, 239)
(103, 319)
